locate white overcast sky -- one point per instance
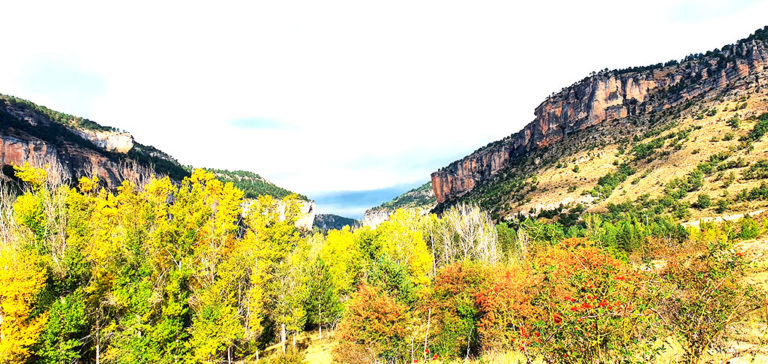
(331, 97)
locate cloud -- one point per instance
(256, 123)
(698, 11)
(335, 95)
(61, 82)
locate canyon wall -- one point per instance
(607, 95)
(28, 135)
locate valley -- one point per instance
(628, 222)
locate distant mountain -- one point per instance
(422, 197)
(327, 222)
(73, 147)
(668, 137)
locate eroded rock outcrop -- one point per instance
(29, 135)
(608, 95)
(111, 141)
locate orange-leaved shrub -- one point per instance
(374, 328)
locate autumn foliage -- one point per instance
(193, 272)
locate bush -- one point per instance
(455, 311)
(606, 184)
(575, 303)
(760, 128)
(750, 229)
(374, 327)
(705, 295)
(723, 205)
(703, 201)
(759, 170)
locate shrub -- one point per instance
(455, 312)
(760, 128)
(374, 327)
(575, 303)
(759, 170)
(703, 201)
(723, 205)
(705, 295)
(750, 229)
(606, 184)
(506, 306)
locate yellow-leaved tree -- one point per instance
(401, 238)
(341, 253)
(21, 280)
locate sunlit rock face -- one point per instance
(111, 141)
(374, 217)
(30, 136)
(307, 219)
(608, 95)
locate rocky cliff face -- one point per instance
(27, 135)
(608, 95)
(375, 216)
(111, 141)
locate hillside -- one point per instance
(252, 184)
(422, 198)
(641, 139)
(73, 147)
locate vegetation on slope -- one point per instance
(84, 271)
(422, 197)
(252, 184)
(56, 116)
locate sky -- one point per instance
(348, 102)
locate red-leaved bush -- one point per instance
(571, 302)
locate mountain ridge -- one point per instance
(75, 147)
(601, 97)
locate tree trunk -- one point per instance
(229, 355)
(412, 338)
(294, 339)
(98, 342)
(426, 336)
(282, 337)
(320, 331)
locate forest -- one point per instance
(194, 272)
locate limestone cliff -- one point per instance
(605, 96)
(30, 134)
